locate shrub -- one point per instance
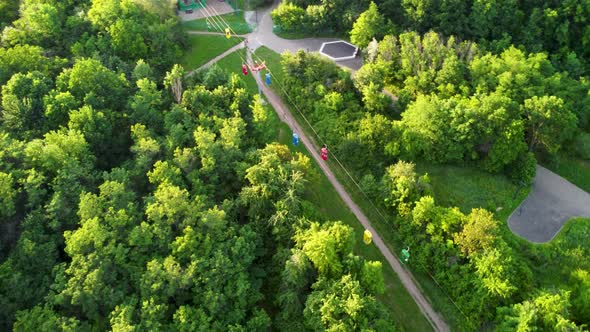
(582, 145)
(370, 186)
(214, 77)
(315, 19)
(523, 168)
(289, 17)
(402, 186)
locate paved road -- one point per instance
(405, 276)
(551, 203)
(264, 36)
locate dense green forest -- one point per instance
(475, 257)
(133, 199)
(558, 27)
(484, 84)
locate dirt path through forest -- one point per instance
(264, 35)
(405, 276)
(284, 114)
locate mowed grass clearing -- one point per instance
(204, 48)
(468, 188)
(576, 171)
(273, 63)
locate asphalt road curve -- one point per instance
(550, 204)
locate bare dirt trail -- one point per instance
(405, 276)
(264, 36)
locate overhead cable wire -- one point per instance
(278, 81)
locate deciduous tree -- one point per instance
(369, 25)
(549, 123)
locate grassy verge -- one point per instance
(576, 171)
(233, 64)
(235, 21)
(575, 233)
(204, 48)
(273, 63)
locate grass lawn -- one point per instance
(233, 64)
(576, 171)
(469, 187)
(574, 234)
(236, 23)
(204, 48)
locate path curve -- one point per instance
(264, 36)
(217, 58)
(550, 204)
(404, 275)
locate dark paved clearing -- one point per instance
(339, 50)
(551, 203)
